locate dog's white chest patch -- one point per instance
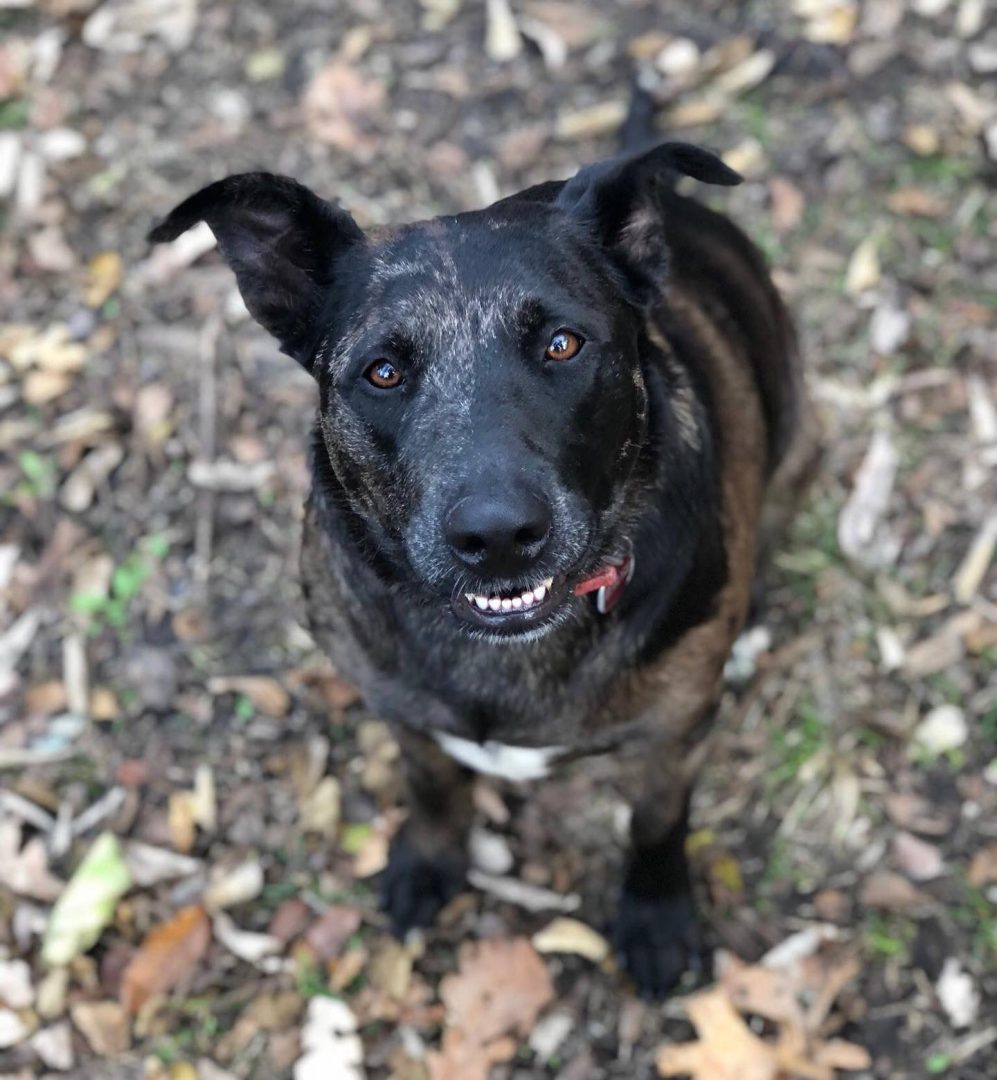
(497, 759)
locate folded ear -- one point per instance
(283, 243)
(618, 200)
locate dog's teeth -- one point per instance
(482, 602)
(495, 604)
(548, 582)
(507, 605)
(539, 592)
(517, 602)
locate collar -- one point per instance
(608, 583)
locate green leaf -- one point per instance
(84, 603)
(87, 903)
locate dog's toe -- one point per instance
(415, 886)
(657, 941)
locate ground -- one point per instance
(152, 471)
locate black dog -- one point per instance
(547, 435)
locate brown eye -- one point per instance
(564, 345)
(383, 374)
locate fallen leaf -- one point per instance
(727, 1049)
(248, 946)
(958, 994)
(326, 936)
(860, 520)
(919, 860)
(497, 994)
(14, 1028)
(104, 1025)
(54, 1045)
(916, 202)
(390, 968)
(983, 869)
(126, 26)
(16, 989)
(591, 122)
(104, 274)
(168, 955)
(523, 894)
(341, 106)
(888, 891)
(41, 387)
(788, 203)
(265, 693)
(943, 729)
(331, 1045)
(320, 808)
(87, 903)
(229, 887)
(922, 139)
(565, 935)
(973, 568)
(863, 271)
(502, 38)
(828, 22)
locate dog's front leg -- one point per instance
(427, 865)
(656, 934)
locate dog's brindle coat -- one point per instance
(679, 432)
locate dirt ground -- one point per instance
(157, 683)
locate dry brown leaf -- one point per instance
(565, 935)
(104, 1025)
(41, 387)
(320, 808)
(326, 936)
(167, 956)
(788, 203)
(264, 692)
(25, 870)
(104, 274)
(502, 38)
(341, 105)
(863, 268)
(727, 1049)
(983, 869)
(917, 202)
(500, 990)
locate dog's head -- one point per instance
(482, 400)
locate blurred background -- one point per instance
(171, 743)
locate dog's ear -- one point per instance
(618, 201)
(283, 243)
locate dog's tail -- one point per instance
(638, 132)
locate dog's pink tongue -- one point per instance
(607, 577)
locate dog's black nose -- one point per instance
(499, 534)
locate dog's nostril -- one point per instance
(529, 534)
(472, 545)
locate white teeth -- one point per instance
(523, 602)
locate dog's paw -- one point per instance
(415, 886)
(656, 941)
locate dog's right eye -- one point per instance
(383, 374)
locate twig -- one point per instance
(206, 411)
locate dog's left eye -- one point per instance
(564, 345)
(383, 374)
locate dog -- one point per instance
(555, 438)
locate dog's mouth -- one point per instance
(514, 610)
